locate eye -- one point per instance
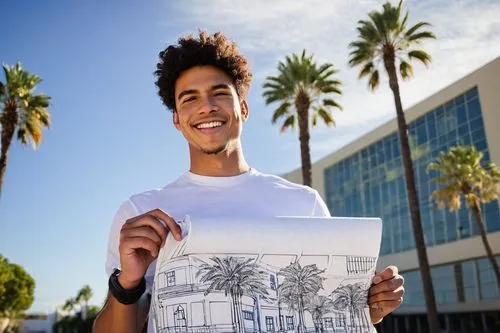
(221, 93)
(189, 99)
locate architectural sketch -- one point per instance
(261, 291)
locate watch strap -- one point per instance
(122, 295)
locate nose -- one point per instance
(208, 105)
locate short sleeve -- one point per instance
(320, 209)
(126, 211)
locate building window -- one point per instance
(487, 283)
(328, 322)
(247, 315)
(289, 323)
(170, 278)
(269, 324)
(443, 279)
(469, 277)
(358, 185)
(272, 280)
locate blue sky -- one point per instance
(111, 136)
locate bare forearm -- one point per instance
(117, 317)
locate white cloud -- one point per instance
(468, 32)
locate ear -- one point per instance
(244, 110)
(175, 120)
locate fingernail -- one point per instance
(377, 279)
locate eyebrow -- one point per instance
(194, 91)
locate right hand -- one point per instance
(141, 239)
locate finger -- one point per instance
(388, 285)
(387, 296)
(134, 243)
(381, 309)
(388, 273)
(145, 231)
(174, 228)
(150, 221)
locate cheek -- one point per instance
(182, 123)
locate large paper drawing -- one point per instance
(280, 275)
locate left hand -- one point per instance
(386, 293)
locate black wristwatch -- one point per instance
(122, 295)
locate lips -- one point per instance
(211, 124)
(208, 124)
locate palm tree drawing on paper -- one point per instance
(318, 306)
(299, 284)
(236, 277)
(352, 298)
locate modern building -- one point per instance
(365, 178)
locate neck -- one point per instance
(227, 163)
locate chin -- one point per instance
(214, 151)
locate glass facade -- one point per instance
(465, 281)
(371, 182)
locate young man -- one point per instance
(204, 81)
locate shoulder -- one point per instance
(282, 183)
(294, 193)
(151, 198)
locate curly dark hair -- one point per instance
(215, 50)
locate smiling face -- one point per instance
(208, 110)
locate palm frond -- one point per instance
(420, 36)
(420, 55)
(460, 173)
(290, 122)
(406, 70)
(384, 34)
(326, 116)
(281, 111)
(332, 103)
(366, 70)
(414, 28)
(374, 82)
(377, 19)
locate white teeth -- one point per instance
(210, 125)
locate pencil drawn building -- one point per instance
(244, 294)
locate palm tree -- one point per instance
(385, 39)
(299, 284)
(303, 90)
(84, 295)
(236, 277)
(69, 305)
(21, 110)
(461, 173)
(318, 306)
(352, 298)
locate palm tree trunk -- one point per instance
(9, 122)
(234, 313)
(362, 319)
(302, 104)
(301, 327)
(352, 313)
(418, 233)
(479, 219)
(240, 314)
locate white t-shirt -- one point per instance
(251, 194)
